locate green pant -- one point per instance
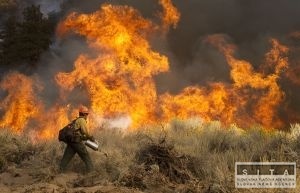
(71, 150)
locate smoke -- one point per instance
(121, 122)
(249, 24)
(118, 122)
(61, 58)
(48, 6)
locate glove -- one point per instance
(92, 138)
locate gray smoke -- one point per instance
(46, 6)
(61, 58)
(49, 6)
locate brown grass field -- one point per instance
(183, 156)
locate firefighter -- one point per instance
(77, 146)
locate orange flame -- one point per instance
(244, 78)
(119, 80)
(209, 104)
(21, 103)
(170, 15)
(51, 121)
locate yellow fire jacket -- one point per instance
(82, 129)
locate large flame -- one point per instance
(246, 81)
(22, 107)
(118, 79)
(252, 98)
(20, 103)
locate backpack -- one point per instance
(67, 133)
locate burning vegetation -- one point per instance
(118, 78)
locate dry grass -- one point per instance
(209, 151)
